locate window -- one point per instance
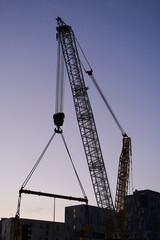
(74, 227)
(47, 226)
(74, 213)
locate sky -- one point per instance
(121, 39)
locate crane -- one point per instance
(123, 168)
(89, 135)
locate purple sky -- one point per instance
(121, 40)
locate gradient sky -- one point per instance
(121, 39)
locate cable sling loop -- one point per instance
(82, 189)
(37, 162)
(18, 206)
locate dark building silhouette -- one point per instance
(86, 222)
(29, 229)
(143, 215)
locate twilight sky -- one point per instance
(121, 40)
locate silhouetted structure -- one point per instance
(29, 229)
(85, 221)
(143, 215)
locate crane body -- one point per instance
(114, 216)
(122, 183)
(85, 116)
(89, 135)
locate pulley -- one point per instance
(58, 121)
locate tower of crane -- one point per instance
(89, 135)
(85, 116)
(122, 183)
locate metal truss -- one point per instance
(85, 116)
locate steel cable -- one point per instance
(108, 106)
(59, 80)
(82, 189)
(37, 162)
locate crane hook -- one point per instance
(58, 121)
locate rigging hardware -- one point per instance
(53, 195)
(58, 121)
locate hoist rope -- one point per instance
(82, 189)
(37, 162)
(59, 80)
(62, 81)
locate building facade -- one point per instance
(143, 215)
(29, 229)
(85, 222)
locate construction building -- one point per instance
(85, 221)
(143, 215)
(29, 229)
(80, 221)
